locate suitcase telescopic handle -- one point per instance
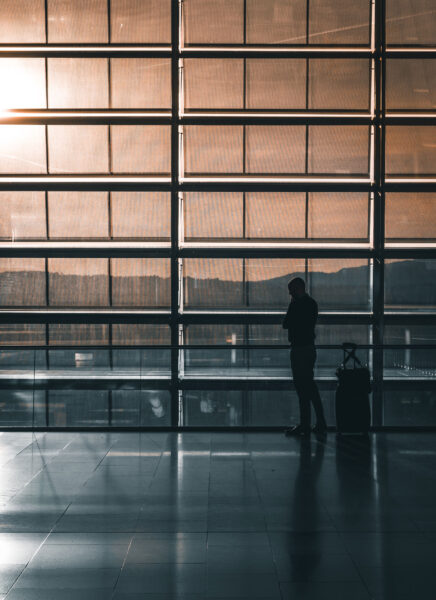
(349, 350)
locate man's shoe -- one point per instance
(297, 430)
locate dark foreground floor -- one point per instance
(158, 516)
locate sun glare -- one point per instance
(22, 84)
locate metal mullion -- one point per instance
(175, 55)
(378, 266)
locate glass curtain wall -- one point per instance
(166, 168)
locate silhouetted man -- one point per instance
(300, 322)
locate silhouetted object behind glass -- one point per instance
(352, 394)
(300, 321)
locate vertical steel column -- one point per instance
(379, 208)
(175, 54)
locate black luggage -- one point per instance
(353, 413)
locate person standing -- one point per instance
(300, 321)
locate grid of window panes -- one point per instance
(166, 168)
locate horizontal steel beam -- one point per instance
(228, 347)
(163, 117)
(85, 183)
(80, 117)
(271, 318)
(83, 50)
(422, 317)
(114, 315)
(276, 51)
(235, 252)
(404, 183)
(269, 118)
(107, 249)
(416, 253)
(83, 316)
(257, 183)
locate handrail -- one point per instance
(4, 347)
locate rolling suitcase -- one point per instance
(353, 413)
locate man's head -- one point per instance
(297, 287)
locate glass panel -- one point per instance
(141, 21)
(22, 21)
(411, 84)
(260, 408)
(22, 282)
(276, 22)
(410, 362)
(336, 284)
(338, 215)
(141, 148)
(140, 333)
(212, 283)
(77, 408)
(213, 215)
(78, 83)
(22, 215)
(280, 408)
(410, 334)
(338, 150)
(280, 215)
(329, 359)
(339, 84)
(267, 334)
(216, 334)
(409, 408)
(340, 284)
(74, 334)
(410, 284)
(22, 149)
(141, 215)
(141, 83)
(22, 334)
(212, 408)
(146, 408)
(410, 23)
(270, 361)
(214, 83)
(78, 148)
(212, 149)
(77, 22)
(81, 362)
(213, 21)
(267, 281)
(79, 215)
(276, 148)
(275, 215)
(145, 363)
(410, 150)
(276, 84)
(141, 282)
(78, 281)
(339, 22)
(22, 408)
(212, 362)
(23, 83)
(411, 216)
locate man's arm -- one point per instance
(286, 320)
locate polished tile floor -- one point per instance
(159, 516)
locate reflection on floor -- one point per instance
(129, 516)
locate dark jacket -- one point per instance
(300, 321)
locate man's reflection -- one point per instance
(306, 512)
